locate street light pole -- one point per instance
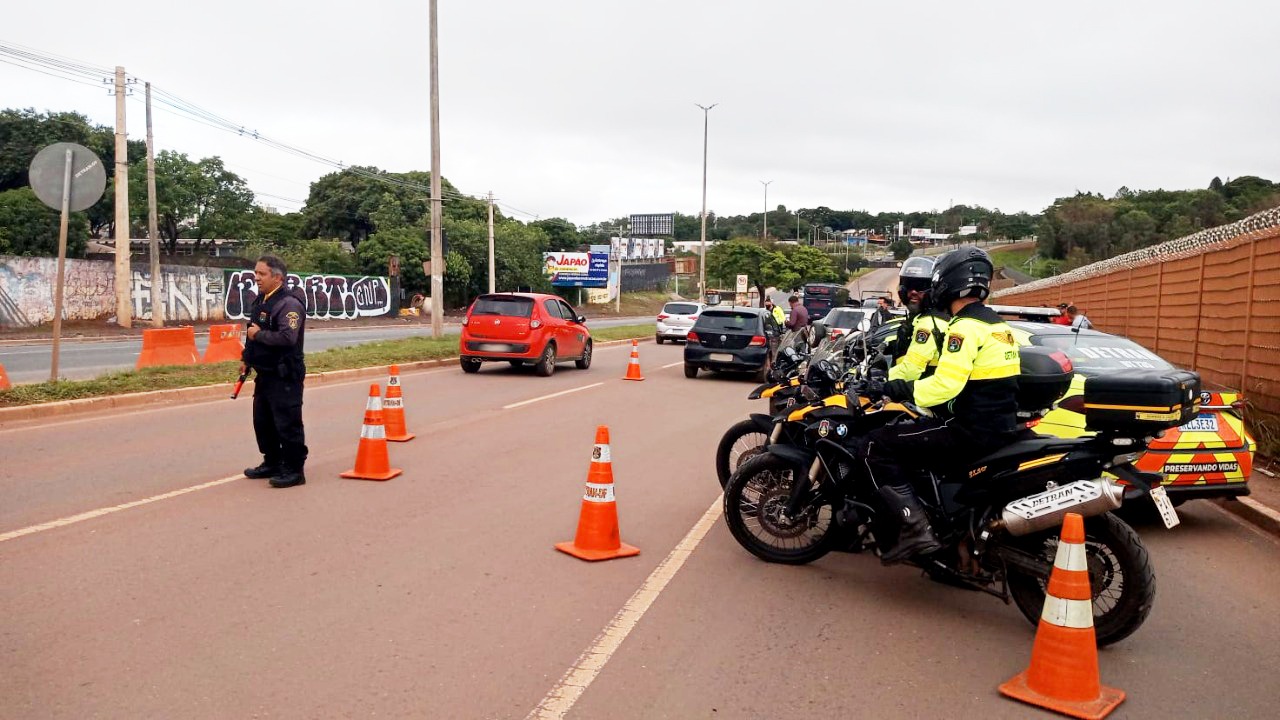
(702, 248)
(765, 235)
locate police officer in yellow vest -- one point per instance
(920, 336)
(972, 394)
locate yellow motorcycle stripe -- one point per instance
(1046, 460)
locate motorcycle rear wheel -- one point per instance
(741, 442)
(1120, 577)
(754, 504)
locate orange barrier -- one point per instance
(633, 367)
(372, 462)
(1063, 675)
(224, 344)
(393, 409)
(4, 379)
(168, 346)
(597, 537)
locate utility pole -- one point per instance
(437, 205)
(492, 276)
(622, 233)
(765, 235)
(157, 309)
(124, 309)
(702, 251)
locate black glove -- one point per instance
(899, 390)
(872, 387)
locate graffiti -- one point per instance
(329, 297)
(185, 293)
(27, 285)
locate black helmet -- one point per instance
(916, 274)
(961, 273)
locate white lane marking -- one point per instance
(578, 678)
(63, 522)
(671, 365)
(552, 395)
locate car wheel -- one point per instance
(657, 339)
(690, 371)
(469, 365)
(584, 362)
(763, 374)
(547, 361)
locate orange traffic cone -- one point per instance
(393, 409)
(597, 537)
(4, 379)
(1063, 675)
(372, 462)
(633, 367)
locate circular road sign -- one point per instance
(88, 177)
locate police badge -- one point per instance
(954, 342)
(922, 336)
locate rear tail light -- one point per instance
(693, 337)
(663, 316)
(535, 324)
(1063, 361)
(758, 341)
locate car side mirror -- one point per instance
(582, 319)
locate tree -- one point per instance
(562, 235)
(411, 244)
(902, 249)
(193, 199)
(729, 259)
(29, 227)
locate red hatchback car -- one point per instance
(523, 328)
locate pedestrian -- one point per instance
(883, 314)
(273, 350)
(1078, 319)
(799, 316)
(1062, 318)
(775, 312)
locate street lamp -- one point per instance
(765, 234)
(702, 248)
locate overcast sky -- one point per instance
(585, 109)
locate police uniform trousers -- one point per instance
(277, 420)
(903, 453)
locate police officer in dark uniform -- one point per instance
(973, 394)
(277, 321)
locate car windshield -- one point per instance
(680, 309)
(728, 321)
(844, 319)
(504, 306)
(1099, 354)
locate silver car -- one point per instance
(677, 319)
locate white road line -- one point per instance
(671, 365)
(107, 511)
(578, 678)
(552, 395)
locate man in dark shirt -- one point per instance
(799, 316)
(277, 321)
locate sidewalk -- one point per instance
(1262, 506)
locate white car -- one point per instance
(843, 320)
(677, 319)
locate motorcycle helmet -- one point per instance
(961, 273)
(916, 274)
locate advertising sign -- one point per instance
(576, 269)
(653, 224)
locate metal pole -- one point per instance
(62, 265)
(437, 205)
(702, 260)
(124, 313)
(492, 274)
(765, 235)
(622, 232)
(153, 233)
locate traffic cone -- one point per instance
(372, 462)
(633, 367)
(1063, 675)
(4, 379)
(393, 409)
(597, 537)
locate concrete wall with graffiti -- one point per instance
(329, 297)
(27, 285)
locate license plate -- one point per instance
(1202, 423)
(721, 357)
(1167, 513)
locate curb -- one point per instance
(84, 406)
(1254, 513)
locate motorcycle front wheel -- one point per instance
(1120, 577)
(755, 502)
(741, 442)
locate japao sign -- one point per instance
(329, 297)
(576, 269)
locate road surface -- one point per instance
(29, 362)
(438, 594)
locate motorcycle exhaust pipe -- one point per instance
(1046, 510)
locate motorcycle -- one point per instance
(997, 518)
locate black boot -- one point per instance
(289, 478)
(915, 537)
(265, 470)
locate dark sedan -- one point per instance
(732, 339)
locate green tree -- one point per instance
(29, 227)
(729, 259)
(901, 248)
(410, 244)
(194, 199)
(562, 235)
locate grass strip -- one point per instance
(167, 377)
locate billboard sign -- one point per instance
(659, 224)
(576, 269)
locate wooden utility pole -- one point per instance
(124, 309)
(157, 308)
(492, 276)
(437, 206)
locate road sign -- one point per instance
(742, 283)
(88, 177)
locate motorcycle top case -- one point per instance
(1045, 376)
(1141, 401)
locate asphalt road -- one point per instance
(438, 593)
(79, 360)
